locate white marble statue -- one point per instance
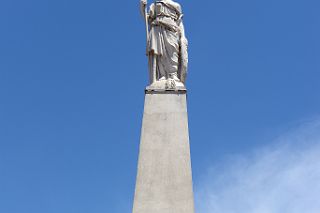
(166, 44)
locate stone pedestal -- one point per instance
(164, 180)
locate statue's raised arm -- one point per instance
(166, 44)
(143, 5)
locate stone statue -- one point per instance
(166, 44)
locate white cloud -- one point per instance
(281, 178)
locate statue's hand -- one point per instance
(143, 2)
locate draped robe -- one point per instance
(165, 43)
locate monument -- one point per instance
(164, 179)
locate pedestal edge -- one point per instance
(167, 91)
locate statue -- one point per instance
(166, 44)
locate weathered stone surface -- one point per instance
(164, 180)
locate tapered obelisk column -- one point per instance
(164, 180)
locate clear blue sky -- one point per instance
(72, 78)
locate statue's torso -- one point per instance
(165, 12)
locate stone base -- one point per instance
(164, 180)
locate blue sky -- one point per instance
(72, 79)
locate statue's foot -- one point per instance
(174, 76)
(163, 78)
(171, 84)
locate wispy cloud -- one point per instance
(281, 178)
